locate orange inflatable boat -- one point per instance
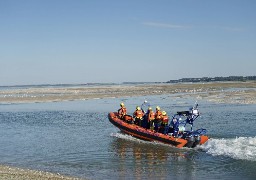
(188, 139)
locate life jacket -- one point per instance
(122, 111)
(165, 119)
(138, 114)
(158, 115)
(151, 116)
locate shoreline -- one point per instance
(219, 92)
(15, 173)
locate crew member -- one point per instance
(138, 114)
(122, 111)
(151, 118)
(175, 126)
(158, 118)
(165, 120)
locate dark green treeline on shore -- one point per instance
(213, 79)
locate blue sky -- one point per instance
(84, 41)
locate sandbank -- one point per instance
(220, 92)
(13, 173)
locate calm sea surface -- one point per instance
(75, 138)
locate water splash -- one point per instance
(125, 136)
(243, 148)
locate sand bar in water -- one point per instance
(220, 92)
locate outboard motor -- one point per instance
(190, 138)
(197, 138)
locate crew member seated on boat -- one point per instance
(151, 118)
(122, 111)
(138, 116)
(158, 118)
(165, 120)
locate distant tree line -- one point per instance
(213, 79)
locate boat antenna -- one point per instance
(145, 105)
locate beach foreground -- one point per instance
(12, 173)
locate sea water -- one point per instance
(75, 138)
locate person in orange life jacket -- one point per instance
(165, 120)
(138, 114)
(158, 118)
(151, 118)
(122, 111)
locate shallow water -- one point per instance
(75, 138)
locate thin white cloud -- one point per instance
(176, 26)
(165, 25)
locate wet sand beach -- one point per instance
(13, 173)
(219, 92)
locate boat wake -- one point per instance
(125, 136)
(120, 135)
(243, 148)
